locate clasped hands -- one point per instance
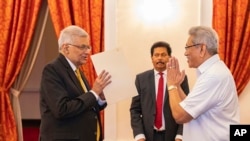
(174, 75)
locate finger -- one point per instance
(169, 64)
(107, 78)
(101, 74)
(174, 63)
(106, 82)
(177, 64)
(105, 75)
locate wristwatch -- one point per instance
(171, 87)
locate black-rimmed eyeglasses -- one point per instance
(82, 47)
(192, 46)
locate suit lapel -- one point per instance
(73, 77)
(152, 85)
(165, 97)
(153, 90)
(71, 73)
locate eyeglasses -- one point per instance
(192, 46)
(82, 47)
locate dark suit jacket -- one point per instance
(67, 112)
(142, 110)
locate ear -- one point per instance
(65, 49)
(203, 50)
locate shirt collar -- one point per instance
(206, 64)
(157, 72)
(73, 67)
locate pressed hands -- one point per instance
(174, 76)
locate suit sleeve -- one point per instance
(136, 113)
(185, 86)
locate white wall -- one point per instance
(244, 99)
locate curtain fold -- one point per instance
(87, 14)
(26, 69)
(231, 19)
(17, 27)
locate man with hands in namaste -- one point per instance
(212, 105)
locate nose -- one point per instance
(185, 53)
(88, 51)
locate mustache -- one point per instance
(161, 62)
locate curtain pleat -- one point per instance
(231, 19)
(26, 69)
(17, 27)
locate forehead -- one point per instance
(189, 40)
(160, 49)
(80, 39)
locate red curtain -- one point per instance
(231, 19)
(88, 14)
(18, 19)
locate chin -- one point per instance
(85, 61)
(190, 65)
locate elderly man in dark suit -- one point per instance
(151, 116)
(69, 107)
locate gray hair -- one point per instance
(68, 34)
(205, 35)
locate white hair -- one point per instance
(68, 34)
(205, 35)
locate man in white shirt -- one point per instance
(212, 106)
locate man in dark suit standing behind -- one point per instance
(69, 107)
(144, 111)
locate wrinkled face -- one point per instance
(78, 52)
(193, 53)
(160, 58)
